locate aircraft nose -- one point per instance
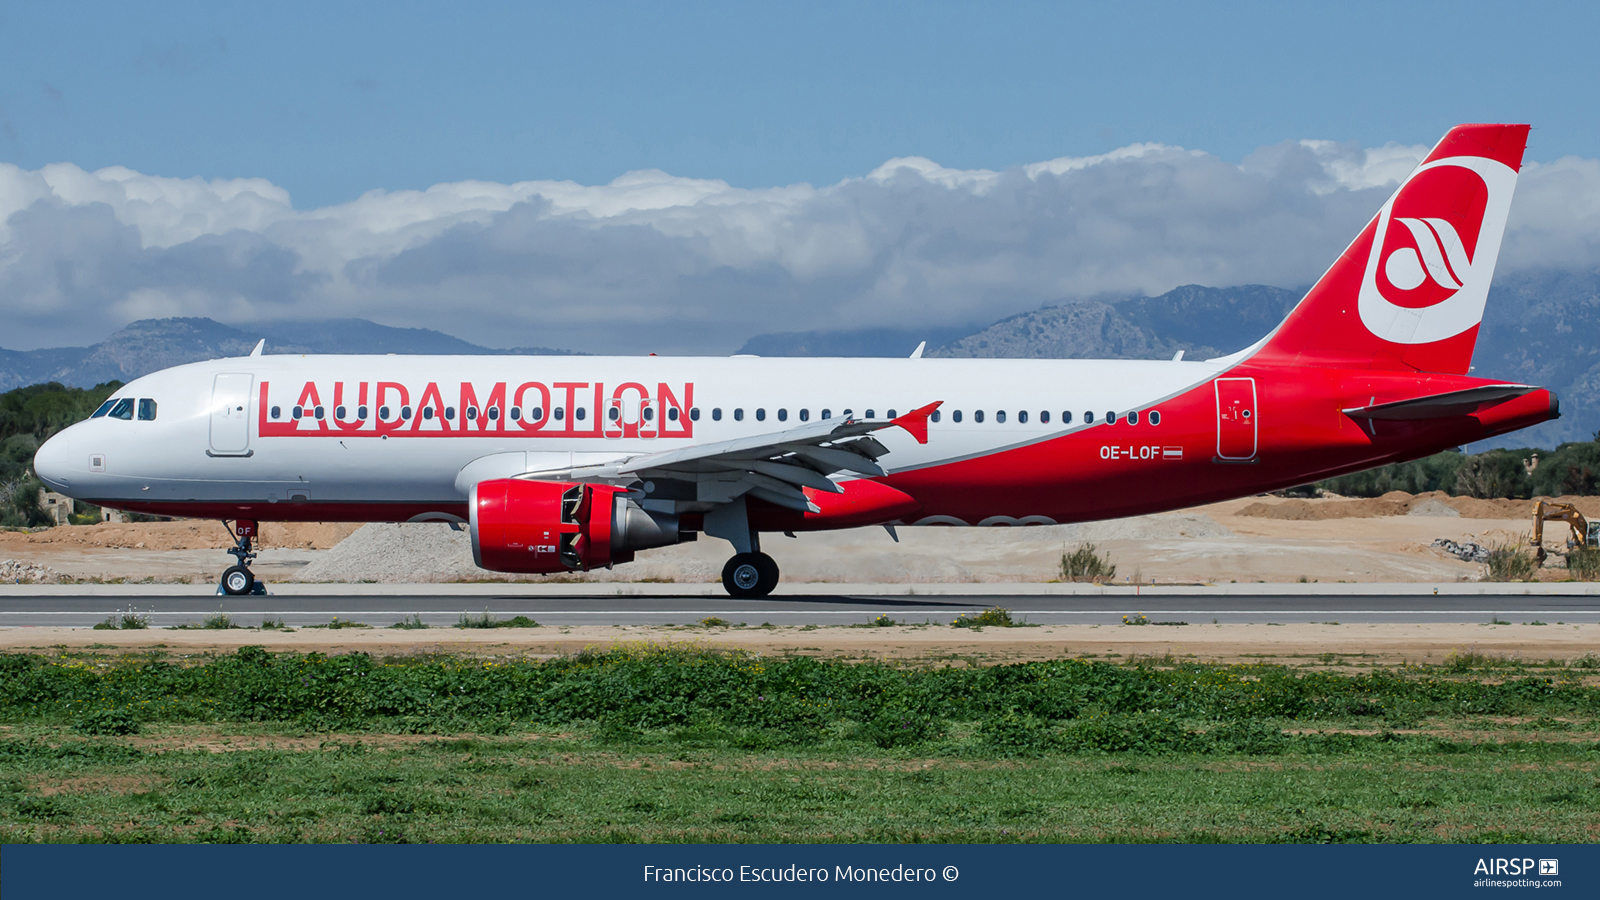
(52, 463)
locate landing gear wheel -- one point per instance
(750, 575)
(238, 581)
(769, 573)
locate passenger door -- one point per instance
(1236, 418)
(230, 415)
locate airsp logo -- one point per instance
(1433, 254)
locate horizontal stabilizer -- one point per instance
(1439, 406)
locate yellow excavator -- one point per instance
(1584, 532)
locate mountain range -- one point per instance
(1540, 327)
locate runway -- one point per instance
(381, 609)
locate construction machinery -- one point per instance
(1584, 532)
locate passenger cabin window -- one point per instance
(405, 413)
(977, 416)
(827, 414)
(1022, 417)
(1133, 417)
(955, 416)
(516, 413)
(361, 413)
(694, 413)
(536, 414)
(893, 416)
(580, 412)
(450, 412)
(716, 414)
(106, 407)
(761, 414)
(277, 412)
(1088, 418)
(338, 412)
(1155, 417)
(1044, 417)
(147, 410)
(783, 415)
(1111, 418)
(427, 413)
(935, 416)
(738, 414)
(672, 413)
(613, 414)
(297, 412)
(805, 415)
(560, 413)
(1066, 418)
(494, 413)
(383, 413)
(869, 414)
(123, 409)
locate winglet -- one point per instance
(260, 345)
(917, 353)
(916, 421)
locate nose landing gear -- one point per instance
(238, 580)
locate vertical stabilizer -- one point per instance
(1408, 294)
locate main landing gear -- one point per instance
(238, 580)
(750, 575)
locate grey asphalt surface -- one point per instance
(812, 609)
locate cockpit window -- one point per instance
(147, 410)
(123, 409)
(104, 408)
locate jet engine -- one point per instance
(545, 527)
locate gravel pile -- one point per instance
(1466, 551)
(1433, 507)
(17, 572)
(395, 553)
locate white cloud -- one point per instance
(651, 261)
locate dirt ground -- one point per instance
(1266, 539)
(1385, 644)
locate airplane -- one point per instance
(568, 464)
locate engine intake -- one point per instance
(545, 527)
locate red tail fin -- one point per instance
(1409, 293)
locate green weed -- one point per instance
(995, 616)
(485, 620)
(1085, 563)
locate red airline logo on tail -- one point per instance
(1428, 273)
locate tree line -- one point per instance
(28, 417)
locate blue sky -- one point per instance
(679, 177)
(330, 100)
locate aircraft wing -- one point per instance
(773, 467)
(1439, 406)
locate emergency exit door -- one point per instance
(1236, 418)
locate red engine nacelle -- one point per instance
(548, 526)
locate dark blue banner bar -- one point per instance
(434, 871)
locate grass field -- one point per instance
(662, 744)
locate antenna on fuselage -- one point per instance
(260, 346)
